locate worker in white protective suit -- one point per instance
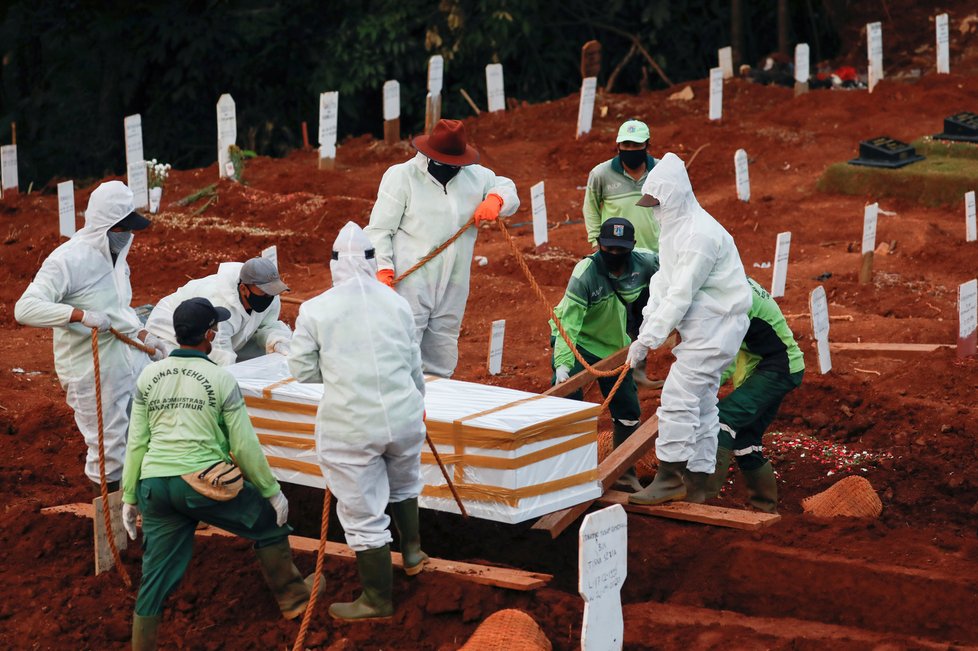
(358, 339)
(250, 292)
(420, 204)
(701, 291)
(84, 285)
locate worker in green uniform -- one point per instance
(187, 416)
(613, 188)
(593, 313)
(768, 367)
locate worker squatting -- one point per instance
(177, 433)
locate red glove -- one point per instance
(386, 276)
(488, 210)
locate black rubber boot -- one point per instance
(696, 486)
(667, 486)
(762, 488)
(406, 519)
(290, 590)
(376, 576)
(97, 487)
(144, 632)
(629, 479)
(719, 476)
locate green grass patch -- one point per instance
(927, 146)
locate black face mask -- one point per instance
(632, 158)
(444, 173)
(259, 303)
(614, 262)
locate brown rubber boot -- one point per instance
(144, 632)
(719, 476)
(667, 486)
(377, 578)
(288, 587)
(762, 488)
(406, 519)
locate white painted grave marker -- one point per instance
(874, 47)
(137, 176)
(870, 215)
(271, 253)
(780, 264)
(66, 208)
(8, 169)
(392, 100)
(496, 338)
(967, 318)
(819, 306)
(585, 110)
(716, 93)
(970, 232)
(329, 106)
(227, 135)
(603, 566)
(494, 87)
(539, 210)
(943, 45)
(802, 64)
(725, 61)
(436, 74)
(743, 177)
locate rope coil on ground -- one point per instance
(320, 558)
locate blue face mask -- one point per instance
(118, 241)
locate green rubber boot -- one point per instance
(762, 488)
(376, 575)
(290, 590)
(719, 476)
(405, 516)
(696, 486)
(144, 631)
(629, 479)
(667, 486)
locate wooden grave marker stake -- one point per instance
(496, 337)
(103, 553)
(66, 208)
(943, 45)
(869, 243)
(874, 48)
(802, 66)
(436, 77)
(585, 109)
(271, 253)
(137, 176)
(602, 568)
(8, 170)
(742, 175)
(591, 59)
(329, 108)
(970, 231)
(716, 93)
(819, 306)
(780, 276)
(538, 205)
(495, 91)
(392, 112)
(968, 318)
(725, 61)
(227, 135)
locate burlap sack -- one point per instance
(852, 497)
(508, 630)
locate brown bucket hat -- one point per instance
(447, 144)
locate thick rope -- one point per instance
(300, 640)
(447, 243)
(135, 343)
(103, 484)
(451, 486)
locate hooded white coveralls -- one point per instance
(358, 340)
(701, 290)
(80, 274)
(221, 289)
(413, 215)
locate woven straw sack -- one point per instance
(852, 497)
(645, 466)
(508, 630)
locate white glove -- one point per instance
(637, 353)
(97, 320)
(281, 506)
(129, 513)
(155, 342)
(563, 374)
(282, 348)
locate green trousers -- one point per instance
(171, 510)
(747, 411)
(624, 406)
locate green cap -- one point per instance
(633, 131)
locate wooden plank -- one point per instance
(502, 577)
(719, 516)
(580, 380)
(103, 553)
(609, 470)
(888, 348)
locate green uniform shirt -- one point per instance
(611, 192)
(592, 313)
(769, 344)
(187, 414)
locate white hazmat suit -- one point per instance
(358, 340)
(263, 329)
(413, 215)
(81, 274)
(701, 291)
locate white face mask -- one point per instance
(118, 241)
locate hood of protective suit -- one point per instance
(351, 262)
(109, 204)
(669, 183)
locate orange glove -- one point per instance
(488, 210)
(386, 276)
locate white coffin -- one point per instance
(512, 455)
